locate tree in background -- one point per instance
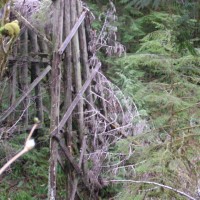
(161, 74)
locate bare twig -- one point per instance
(154, 183)
(29, 144)
(20, 117)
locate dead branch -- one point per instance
(67, 154)
(154, 183)
(29, 144)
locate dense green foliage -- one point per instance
(161, 74)
(27, 178)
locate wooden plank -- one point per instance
(76, 100)
(72, 33)
(19, 100)
(28, 59)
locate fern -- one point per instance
(164, 81)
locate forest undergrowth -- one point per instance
(160, 73)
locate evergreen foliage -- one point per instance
(160, 73)
(162, 77)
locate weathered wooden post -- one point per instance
(35, 71)
(24, 74)
(55, 93)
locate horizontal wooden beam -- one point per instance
(28, 59)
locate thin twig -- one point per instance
(187, 128)
(29, 144)
(31, 27)
(20, 117)
(154, 183)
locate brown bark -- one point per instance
(13, 87)
(76, 167)
(74, 187)
(76, 100)
(72, 33)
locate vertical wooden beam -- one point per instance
(55, 94)
(24, 74)
(84, 60)
(67, 76)
(67, 72)
(13, 84)
(35, 71)
(77, 68)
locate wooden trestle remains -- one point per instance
(83, 117)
